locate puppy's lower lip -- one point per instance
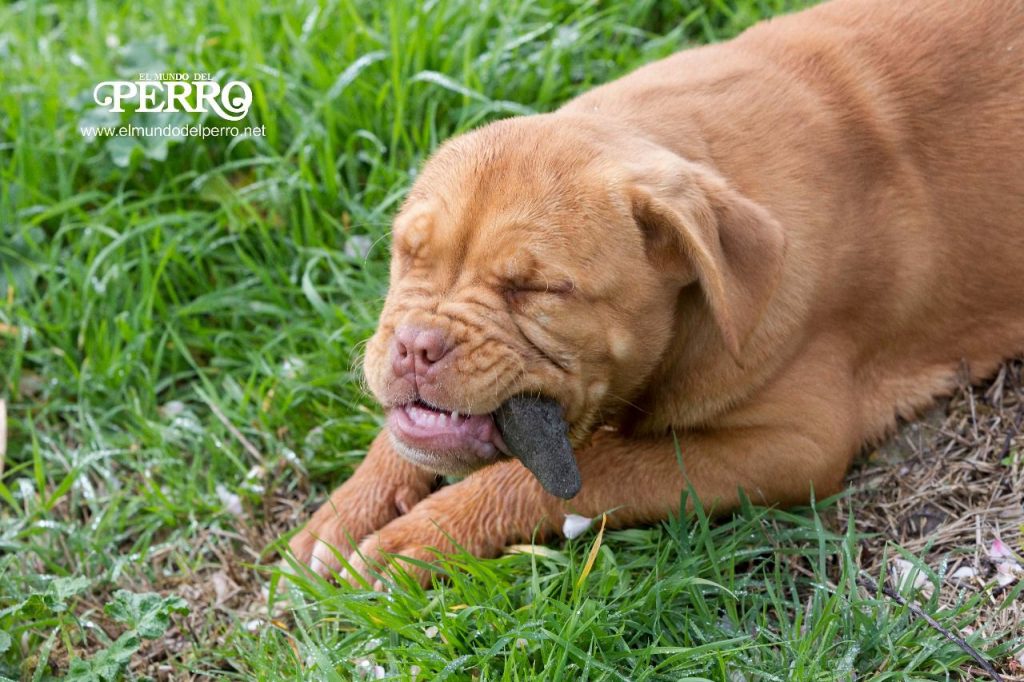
(442, 433)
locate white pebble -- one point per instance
(963, 573)
(1008, 572)
(232, 502)
(575, 525)
(902, 570)
(291, 367)
(172, 408)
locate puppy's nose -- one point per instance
(417, 349)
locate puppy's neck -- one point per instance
(698, 380)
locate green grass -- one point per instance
(148, 285)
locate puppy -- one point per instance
(764, 251)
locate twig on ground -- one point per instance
(870, 585)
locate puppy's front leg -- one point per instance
(384, 487)
(640, 479)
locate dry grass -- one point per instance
(944, 488)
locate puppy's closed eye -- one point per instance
(522, 291)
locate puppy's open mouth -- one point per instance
(448, 442)
(529, 428)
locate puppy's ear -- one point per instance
(697, 228)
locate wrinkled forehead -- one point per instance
(503, 239)
(506, 199)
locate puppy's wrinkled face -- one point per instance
(516, 268)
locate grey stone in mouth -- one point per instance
(536, 433)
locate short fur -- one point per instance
(771, 248)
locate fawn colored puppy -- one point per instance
(766, 250)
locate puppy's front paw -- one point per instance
(466, 515)
(354, 511)
(418, 536)
(382, 489)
